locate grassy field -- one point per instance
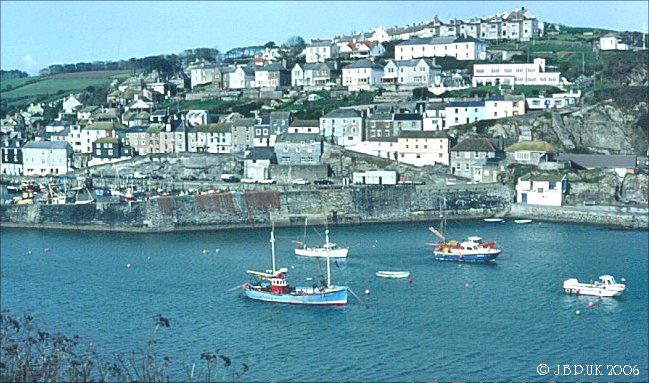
(53, 86)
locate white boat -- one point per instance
(605, 287)
(494, 220)
(393, 274)
(328, 249)
(522, 221)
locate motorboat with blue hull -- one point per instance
(482, 256)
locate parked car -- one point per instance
(248, 181)
(300, 181)
(267, 181)
(323, 181)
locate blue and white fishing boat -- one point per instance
(272, 286)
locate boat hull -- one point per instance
(301, 296)
(392, 274)
(468, 258)
(572, 286)
(322, 253)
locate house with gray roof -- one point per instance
(469, 152)
(272, 76)
(320, 51)
(460, 48)
(418, 72)
(256, 164)
(343, 127)
(44, 158)
(315, 74)
(362, 75)
(299, 148)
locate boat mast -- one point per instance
(272, 245)
(304, 239)
(328, 262)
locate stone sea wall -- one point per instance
(290, 206)
(249, 208)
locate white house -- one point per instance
(612, 42)
(81, 137)
(434, 118)
(387, 148)
(547, 190)
(198, 117)
(321, 51)
(71, 104)
(343, 126)
(379, 34)
(461, 48)
(421, 72)
(362, 75)
(504, 106)
(41, 158)
(211, 138)
(420, 148)
(313, 74)
(515, 74)
(375, 177)
(557, 100)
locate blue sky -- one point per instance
(36, 34)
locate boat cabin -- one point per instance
(607, 280)
(278, 285)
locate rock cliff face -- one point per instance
(607, 128)
(635, 189)
(601, 128)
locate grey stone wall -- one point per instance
(286, 205)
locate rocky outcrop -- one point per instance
(607, 128)
(635, 189)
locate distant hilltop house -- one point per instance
(613, 42)
(517, 25)
(460, 48)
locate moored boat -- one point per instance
(393, 274)
(471, 250)
(272, 286)
(328, 249)
(606, 286)
(494, 220)
(522, 221)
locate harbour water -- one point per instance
(453, 322)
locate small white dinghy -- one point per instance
(522, 221)
(605, 287)
(495, 220)
(393, 274)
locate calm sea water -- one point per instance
(512, 317)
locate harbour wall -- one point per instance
(289, 206)
(283, 205)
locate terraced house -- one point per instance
(460, 48)
(343, 127)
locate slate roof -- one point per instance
(274, 67)
(220, 127)
(463, 104)
(249, 121)
(380, 117)
(599, 160)
(423, 134)
(306, 124)
(542, 177)
(365, 63)
(261, 153)
(407, 117)
(298, 137)
(46, 145)
(343, 113)
(474, 144)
